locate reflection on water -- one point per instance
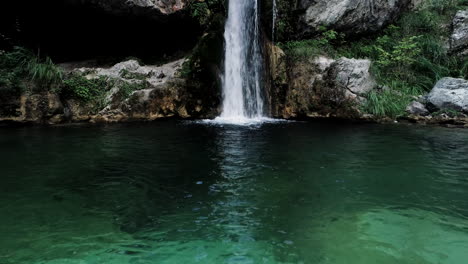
(196, 193)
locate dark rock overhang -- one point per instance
(87, 29)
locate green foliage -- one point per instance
(410, 56)
(23, 65)
(390, 102)
(83, 89)
(203, 10)
(127, 88)
(286, 20)
(303, 49)
(404, 53)
(45, 73)
(449, 112)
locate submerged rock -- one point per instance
(350, 16)
(449, 94)
(459, 37)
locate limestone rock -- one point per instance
(449, 94)
(353, 75)
(37, 108)
(321, 86)
(459, 37)
(350, 16)
(132, 71)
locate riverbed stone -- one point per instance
(449, 94)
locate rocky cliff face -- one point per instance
(157, 92)
(319, 86)
(350, 16)
(459, 37)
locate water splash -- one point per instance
(243, 64)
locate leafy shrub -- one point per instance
(303, 49)
(21, 64)
(203, 11)
(84, 89)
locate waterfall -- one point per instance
(243, 63)
(273, 23)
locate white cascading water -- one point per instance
(273, 23)
(243, 64)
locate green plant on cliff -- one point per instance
(410, 56)
(203, 10)
(127, 88)
(322, 44)
(286, 20)
(21, 65)
(83, 89)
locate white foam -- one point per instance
(242, 121)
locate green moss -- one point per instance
(323, 44)
(126, 88)
(83, 89)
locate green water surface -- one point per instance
(187, 192)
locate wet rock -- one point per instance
(459, 37)
(164, 95)
(417, 108)
(449, 94)
(350, 16)
(320, 87)
(37, 108)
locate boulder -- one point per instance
(417, 108)
(449, 94)
(352, 75)
(352, 17)
(459, 37)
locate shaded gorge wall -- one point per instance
(72, 30)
